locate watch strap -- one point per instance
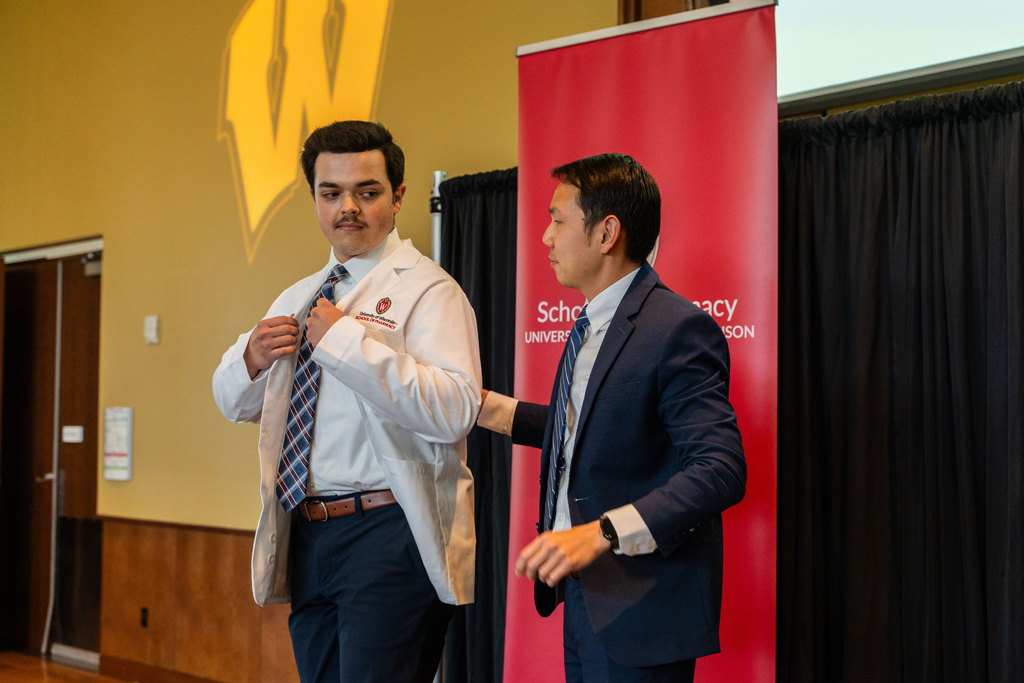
(608, 531)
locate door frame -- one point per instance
(48, 252)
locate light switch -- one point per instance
(151, 329)
(72, 434)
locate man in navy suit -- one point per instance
(641, 450)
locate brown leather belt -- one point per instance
(319, 511)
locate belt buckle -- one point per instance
(324, 506)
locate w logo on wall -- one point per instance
(289, 67)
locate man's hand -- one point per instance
(320, 319)
(272, 338)
(555, 554)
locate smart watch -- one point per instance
(608, 531)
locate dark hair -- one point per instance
(616, 185)
(352, 137)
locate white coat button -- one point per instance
(270, 560)
(273, 538)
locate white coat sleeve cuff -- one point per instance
(497, 412)
(634, 536)
(260, 374)
(239, 398)
(241, 373)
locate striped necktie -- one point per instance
(556, 462)
(294, 466)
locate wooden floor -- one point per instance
(18, 668)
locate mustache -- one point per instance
(349, 220)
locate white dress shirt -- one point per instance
(498, 411)
(341, 459)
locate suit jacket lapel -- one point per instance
(619, 329)
(615, 338)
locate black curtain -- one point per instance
(900, 392)
(478, 248)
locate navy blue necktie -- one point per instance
(294, 467)
(556, 463)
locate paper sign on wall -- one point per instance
(117, 444)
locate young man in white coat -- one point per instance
(365, 379)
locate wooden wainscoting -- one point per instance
(201, 623)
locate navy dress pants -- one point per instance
(363, 608)
(586, 660)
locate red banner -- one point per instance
(695, 104)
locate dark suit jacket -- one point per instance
(656, 430)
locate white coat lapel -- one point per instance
(383, 276)
(303, 301)
(279, 381)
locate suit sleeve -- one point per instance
(528, 424)
(693, 383)
(524, 422)
(433, 388)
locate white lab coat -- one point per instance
(416, 371)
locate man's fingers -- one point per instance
(552, 563)
(319, 306)
(281, 330)
(268, 344)
(553, 555)
(273, 338)
(279, 321)
(554, 568)
(541, 560)
(281, 352)
(522, 562)
(535, 562)
(535, 546)
(531, 547)
(267, 333)
(323, 309)
(280, 340)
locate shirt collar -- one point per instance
(359, 266)
(604, 305)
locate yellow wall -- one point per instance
(108, 126)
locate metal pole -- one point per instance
(435, 215)
(54, 474)
(435, 250)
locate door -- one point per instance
(44, 468)
(76, 611)
(26, 450)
